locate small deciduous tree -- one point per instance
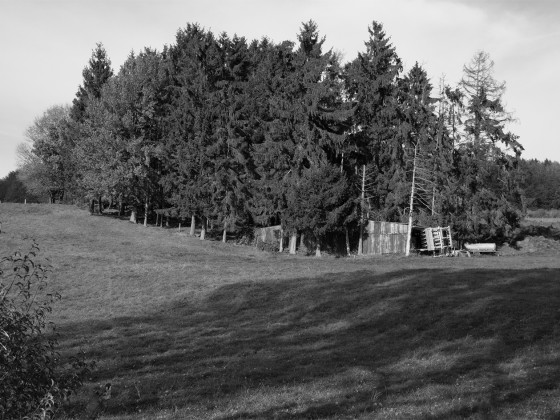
(46, 160)
(32, 377)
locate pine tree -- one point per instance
(95, 75)
(120, 151)
(191, 123)
(371, 150)
(271, 151)
(307, 121)
(319, 203)
(229, 150)
(487, 195)
(372, 88)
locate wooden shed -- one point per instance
(385, 238)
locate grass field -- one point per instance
(190, 329)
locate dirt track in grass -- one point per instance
(185, 328)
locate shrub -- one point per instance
(33, 379)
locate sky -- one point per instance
(47, 43)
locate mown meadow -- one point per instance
(190, 329)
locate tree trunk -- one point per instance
(92, 206)
(347, 241)
(193, 225)
(411, 207)
(433, 200)
(362, 204)
(302, 246)
(121, 207)
(281, 246)
(203, 228)
(293, 240)
(318, 251)
(100, 205)
(224, 236)
(146, 207)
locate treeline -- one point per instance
(12, 190)
(541, 184)
(234, 134)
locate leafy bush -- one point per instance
(33, 379)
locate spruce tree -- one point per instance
(307, 121)
(371, 85)
(95, 75)
(229, 150)
(190, 123)
(120, 151)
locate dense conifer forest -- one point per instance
(234, 133)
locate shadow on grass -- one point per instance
(408, 344)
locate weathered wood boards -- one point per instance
(385, 238)
(436, 239)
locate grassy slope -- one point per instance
(191, 329)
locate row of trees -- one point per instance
(234, 133)
(541, 183)
(12, 190)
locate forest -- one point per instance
(233, 134)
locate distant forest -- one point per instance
(234, 133)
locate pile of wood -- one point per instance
(437, 240)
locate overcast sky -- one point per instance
(47, 43)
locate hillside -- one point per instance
(185, 328)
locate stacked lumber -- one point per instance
(436, 239)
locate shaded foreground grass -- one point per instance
(191, 329)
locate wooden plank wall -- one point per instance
(385, 238)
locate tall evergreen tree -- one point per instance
(271, 150)
(372, 87)
(488, 199)
(95, 75)
(191, 122)
(229, 151)
(307, 120)
(122, 152)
